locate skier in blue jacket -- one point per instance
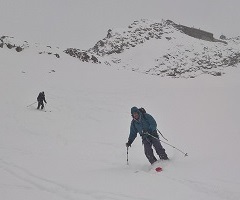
(146, 126)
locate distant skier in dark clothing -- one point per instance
(146, 126)
(41, 99)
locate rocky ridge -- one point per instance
(157, 48)
(179, 54)
(19, 46)
(14, 44)
(137, 33)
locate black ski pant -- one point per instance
(40, 103)
(148, 150)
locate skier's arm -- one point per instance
(133, 134)
(44, 99)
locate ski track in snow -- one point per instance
(52, 187)
(211, 190)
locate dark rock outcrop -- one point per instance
(82, 55)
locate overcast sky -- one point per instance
(81, 23)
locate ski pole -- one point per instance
(45, 106)
(161, 134)
(127, 156)
(185, 154)
(32, 104)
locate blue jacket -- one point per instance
(145, 123)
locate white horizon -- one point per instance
(82, 23)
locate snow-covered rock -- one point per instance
(167, 49)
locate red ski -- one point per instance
(158, 169)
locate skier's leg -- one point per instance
(149, 151)
(159, 149)
(38, 105)
(42, 105)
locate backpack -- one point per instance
(142, 110)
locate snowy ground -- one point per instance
(76, 150)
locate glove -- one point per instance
(129, 143)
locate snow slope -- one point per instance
(76, 150)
